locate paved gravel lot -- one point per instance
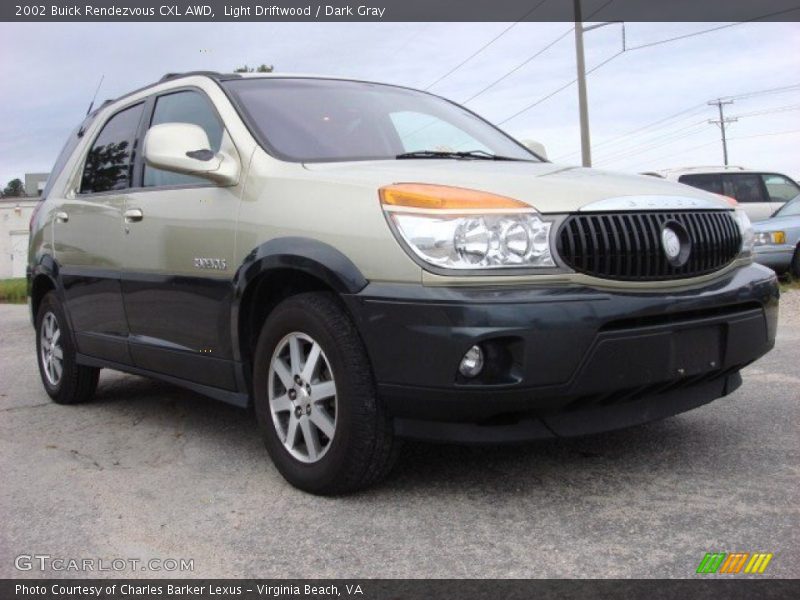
(149, 470)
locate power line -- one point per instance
(704, 31)
(633, 48)
(758, 135)
(633, 152)
(645, 146)
(655, 142)
(561, 89)
(520, 65)
(658, 124)
(786, 88)
(486, 45)
(770, 111)
(685, 150)
(686, 113)
(533, 56)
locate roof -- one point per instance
(220, 77)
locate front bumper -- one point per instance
(777, 258)
(561, 360)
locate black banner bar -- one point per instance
(392, 589)
(398, 10)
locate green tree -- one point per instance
(14, 189)
(262, 68)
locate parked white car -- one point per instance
(759, 193)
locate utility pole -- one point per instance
(580, 60)
(719, 103)
(586, 143)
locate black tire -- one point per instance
(76, 383)
(794, 267)
(362, 450)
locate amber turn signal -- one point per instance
(442, 197)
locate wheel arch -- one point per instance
(276, 270)
(43, 278)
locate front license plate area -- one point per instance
(696, 351)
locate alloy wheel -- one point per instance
(52, 353)
(302, 397)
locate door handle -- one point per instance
(133, 215)
(62, 217)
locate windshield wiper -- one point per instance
(473, 154)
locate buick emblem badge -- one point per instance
(676, 243)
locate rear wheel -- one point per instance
(315, 399)
(65, 381)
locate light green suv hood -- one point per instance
(547, 187)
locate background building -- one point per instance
(15, 217)
(34, 183)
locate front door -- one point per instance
(179, 247)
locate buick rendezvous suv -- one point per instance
(363, 263)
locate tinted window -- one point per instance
(63, 157)
(109, 164)
(184, 107)
(790, 209)
(780, 188)
(745, 187)
(330, 120)
(709, 183)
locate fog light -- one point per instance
(472, 363)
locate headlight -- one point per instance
(456, 228)
(746, 229)
(766, 238)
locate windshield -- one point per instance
(317, 120)
(790, 209)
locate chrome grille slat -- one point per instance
(627, 245)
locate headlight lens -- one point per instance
(465, 229)
(766, 238)
(746, 229)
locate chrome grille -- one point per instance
(627, 245)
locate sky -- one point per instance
(50, 71)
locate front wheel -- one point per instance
(65, 381)
(794, 267)
(315, 398)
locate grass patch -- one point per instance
(789, 283)
(13, 291)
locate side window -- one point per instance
(709, 183)
(780, 188)
(109, 164)
(184, 107)
(419, 131)
(745, 187)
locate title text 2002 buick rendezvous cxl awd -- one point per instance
(366, 262)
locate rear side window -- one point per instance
(61, 161)
(780, 188)
(745, 187)
(184, 107)
(709, 183)
(109, 164)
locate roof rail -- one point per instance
(212, 74)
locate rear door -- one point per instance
(179, 250)
(749, 191)
(710, 182)
(87, 235)
(780, 188)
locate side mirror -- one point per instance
(536, 147)
(184, 148)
